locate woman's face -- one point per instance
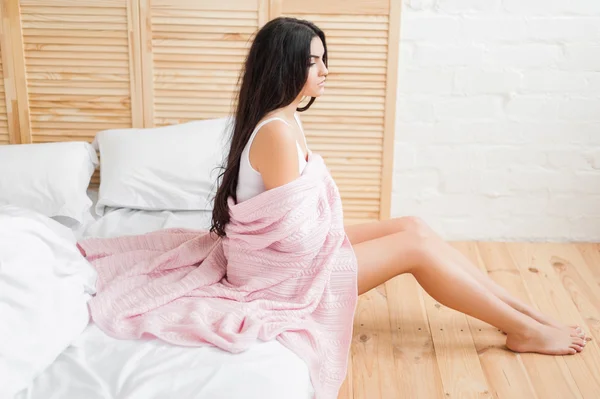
(315, 84)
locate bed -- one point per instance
(97, 366)
(80, 360)
(72, 69)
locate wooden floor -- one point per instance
(406, 345)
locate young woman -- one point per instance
(288, 62)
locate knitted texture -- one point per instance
(286, 270)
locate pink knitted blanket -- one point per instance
(285, 271)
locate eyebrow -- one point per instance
(314, 56)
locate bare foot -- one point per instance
(546, 340)
(574, 331)
(548, 321)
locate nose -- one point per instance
(324, 71)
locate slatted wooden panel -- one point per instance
(79, 62)
(15, 110)
(347, 125)
(3, 114)
(198, 49)
(82, 66)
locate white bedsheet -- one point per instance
(97, 366)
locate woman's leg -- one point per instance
(370, 231)
(406, 252)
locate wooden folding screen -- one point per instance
(71, 68)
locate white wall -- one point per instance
(498, 119)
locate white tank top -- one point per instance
(250, 181)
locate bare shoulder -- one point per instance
(274, 154)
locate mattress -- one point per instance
(97, 366)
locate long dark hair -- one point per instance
(274, 74)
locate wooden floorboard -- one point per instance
(408, 345)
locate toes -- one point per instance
(572, 351)
(580, 334)
(578, 348)
(577, 329)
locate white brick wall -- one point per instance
(498, 122)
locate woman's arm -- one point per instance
(274, 153)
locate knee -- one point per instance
(417, 226)
(425, 243)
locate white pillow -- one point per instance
(45, 284)
(50, 178)
(165, 168)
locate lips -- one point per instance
(321, 83)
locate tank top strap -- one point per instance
(261, 124)
(301, 129)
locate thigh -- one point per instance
(358, 233)
(383, 258)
